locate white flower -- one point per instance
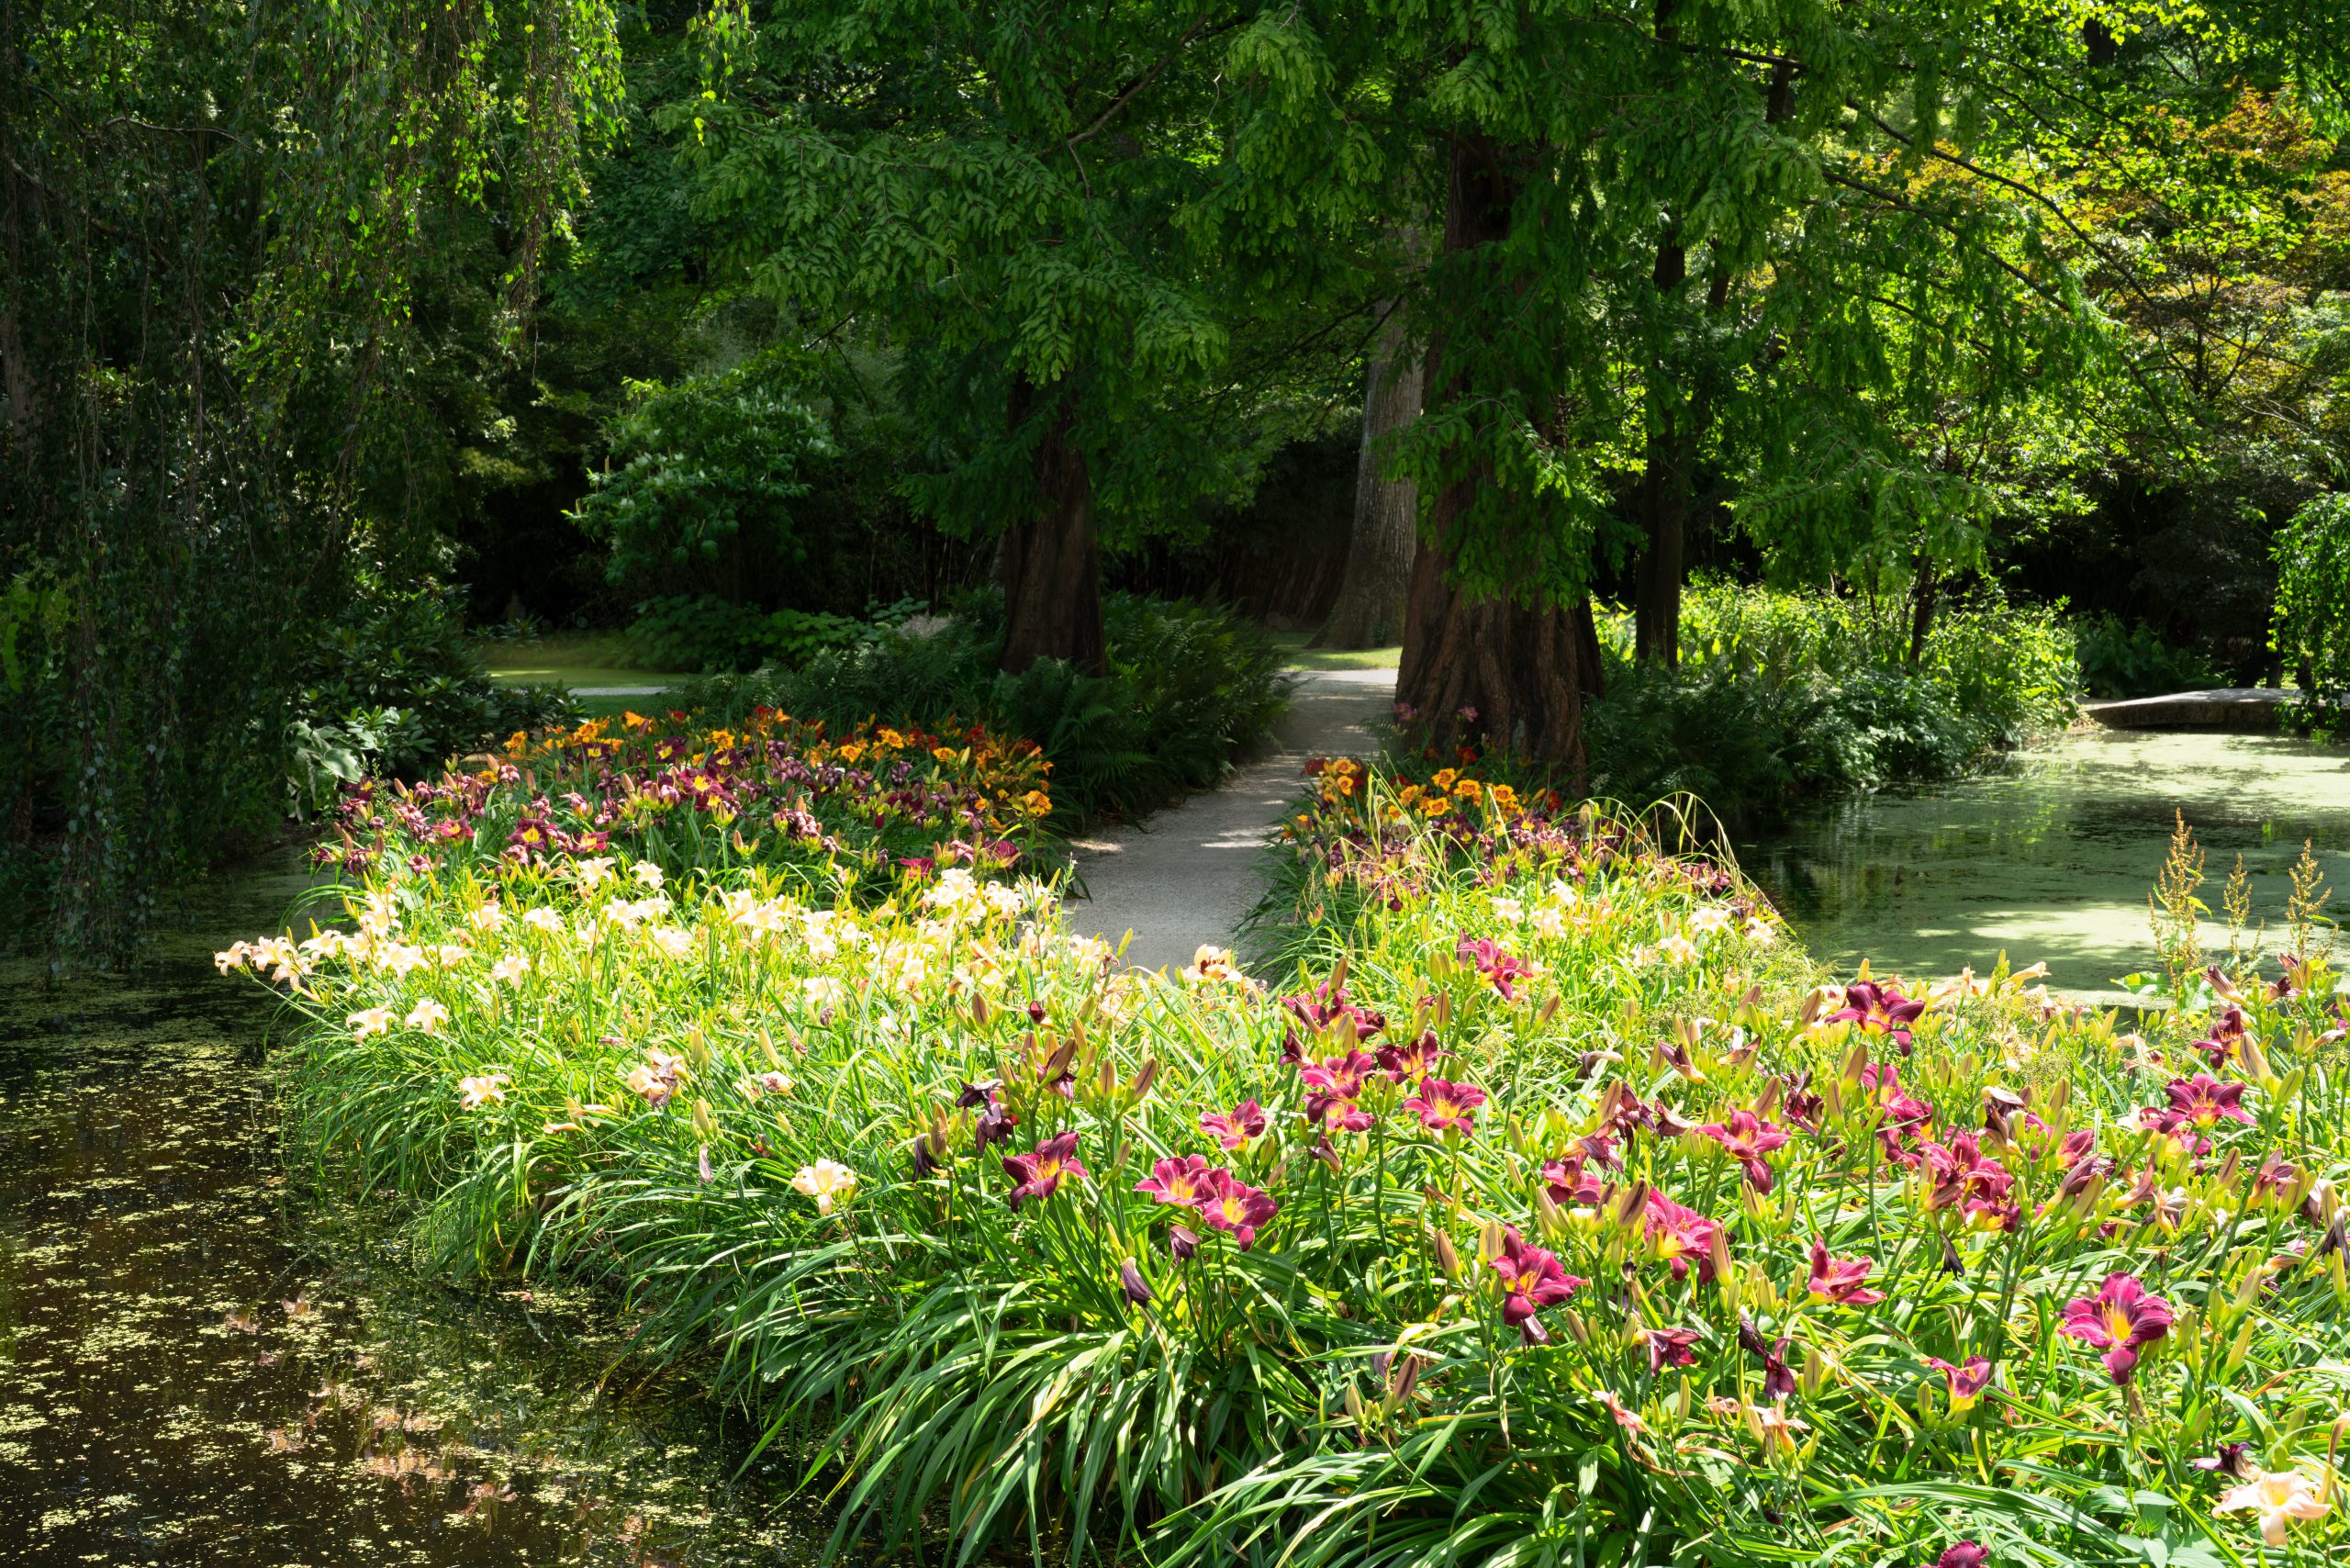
(449, 954)
(824, 991)
(1759, 932)
(232, 957)
(544, 920)
(647, 874)
(1216, 966)
(1509, 911)
(510, 969)
(427, 1015)
(370, 1020)
(400, 958)
(673, 942)
(488, 917)
(1711, 918)
(592, 871)
(827, 1182)
(1680, 949)
(472, 1093)
(2278, 1499)
(956, 891)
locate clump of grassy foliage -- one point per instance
(1560, 1212)
(1191, 687)
(1784, 697)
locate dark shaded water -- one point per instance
(191, 1372)
(2052, 857)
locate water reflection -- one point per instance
(2052, 858)
(190, 1374)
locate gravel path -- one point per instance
(1187, 875)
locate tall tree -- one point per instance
(1369, 610)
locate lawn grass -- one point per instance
(1297, 655)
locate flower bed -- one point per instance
(1562, 1214)
(871, 803)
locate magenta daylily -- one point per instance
(1499, 967)
(1233, 1129)
(1326, 1006)
(2119, 1319)
(1039, 1174)
(1229, 1204)
(1532, 1279)
(1679, 1236)
(1965, 1554)
(1413, 1060)
(1837, 1281)
(1671, 1348)
(1183, 1183)
(1965, 1383)
(2205, 1102)
(1445, 1106)
(1964, 1175)
(1335, 1086)
(1746, 1137)
(1878, 1009)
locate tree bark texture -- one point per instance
(1370, 609)
(1488, 668)
(1052, 569)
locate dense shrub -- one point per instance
(2118, 658)
(393, 686)
(2310, 628)
(1781, 697)
(1560, 1213)
(1190, 687)
(711, 636)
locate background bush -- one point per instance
(1780, 697)
(2133, 659)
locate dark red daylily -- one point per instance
(1679, 1236)
(1878, 1009)
(1130, 1280)
(1235, 1206)
(1838, 1280)
(1183, 1183)
(2118, 1320)
(2206, 1102)
(2231, 1458)
(1233, 1129)
(1532, 1279)
(1965, 1383)
(1406, 1063)
(1963, 1174)
(1445, 1106)
(1746, 1137)
(1568, 1184)
(1039, 1174)
(1907, 1118)
(1778, 1378)
(1670, 1348)
(1965, 1554)
(1326, 1004)
(1499, 967)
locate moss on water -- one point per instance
(197, 1368)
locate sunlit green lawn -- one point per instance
(1295, 653)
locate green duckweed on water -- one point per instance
(194, 1369)
(2051, 858)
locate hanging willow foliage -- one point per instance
(210, 214)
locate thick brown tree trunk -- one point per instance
(1052, 570)
(1512, 675)
(1370, 609)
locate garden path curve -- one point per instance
(1187, 875)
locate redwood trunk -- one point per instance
(1370, 609)
(1512, 675)
(1052, 570)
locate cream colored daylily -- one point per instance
(2280, 1500)
(427, 1015)
(370, 1020)
(828, 1181)
(475, 1093)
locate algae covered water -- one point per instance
(2051, 856)
(191, 1374)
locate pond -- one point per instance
(190, 1373)
(2050, 857)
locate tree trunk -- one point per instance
(1369, 610)
(1052, 572)
(1922, 595)
(1512, 675)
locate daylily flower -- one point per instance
(1965, 1554)
(656, 1078)
(1235, 1206)
(1964, 1175)
(1878, 1009)
(370, 1020)
(2119, 1319)
(1678, 1234)
(1405, 1063)
(2279, 1499)
(2231, 1459)
(1965, 1383)
(1499, 967)
(1039, 1174)
(475, 1093)
(1183, 1183)
(427, 1015)
(1338, 1083)
(1569, 1186)
(1532, 1279)
(1183, 1242)
(828, 1181)
(1670, 1348)
(1445, 1106)
(1326, 1006)
(1235, 1127)
(1905, 1116)
(1836, 1281)
(2205, 1102)
(1130, 1280)
(1747, 1138)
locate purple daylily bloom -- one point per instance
(1040, 1173)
